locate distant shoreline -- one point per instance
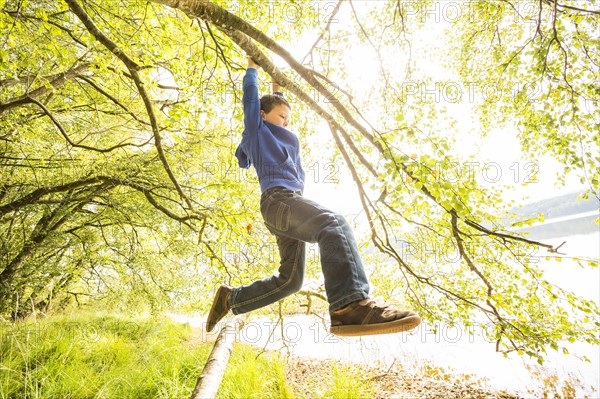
(584, 223)
(565, 215)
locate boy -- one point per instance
(275, 153)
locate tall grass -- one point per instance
(245, 376)
(92, 355)
(96, 355)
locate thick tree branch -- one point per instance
(35, 196)
(56, 81)
(28, 80)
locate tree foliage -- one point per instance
(118, 124)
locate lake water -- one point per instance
(444, 346)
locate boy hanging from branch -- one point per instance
(294, 220)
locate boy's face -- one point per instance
(279, 115)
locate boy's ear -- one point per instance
(263, 114)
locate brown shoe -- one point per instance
(219, 308)
(366, 318)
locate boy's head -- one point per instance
(275, 109)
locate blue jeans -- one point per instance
(295, 220)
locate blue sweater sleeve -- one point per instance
(251, 101)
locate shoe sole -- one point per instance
(396, 326)
(212, 315)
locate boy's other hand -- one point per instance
(252, 64)
(275, 85)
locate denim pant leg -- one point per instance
(343, 270)
(271, 289)
(295, 220)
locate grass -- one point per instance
(100, 355)
(95, 355)
(245, 376)
(346, 385)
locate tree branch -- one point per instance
(66, 136)
(133, 70)
(35, 196)
(572, 8)
(325, 30)
(113, 99)
(57, 81)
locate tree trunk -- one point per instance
(210, 379)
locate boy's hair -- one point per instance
(269, 101)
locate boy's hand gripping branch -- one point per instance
(276, 87)
(252, 64)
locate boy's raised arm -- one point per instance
(251, 99)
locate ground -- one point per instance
(307, 378)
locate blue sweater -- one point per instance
(273, 150)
